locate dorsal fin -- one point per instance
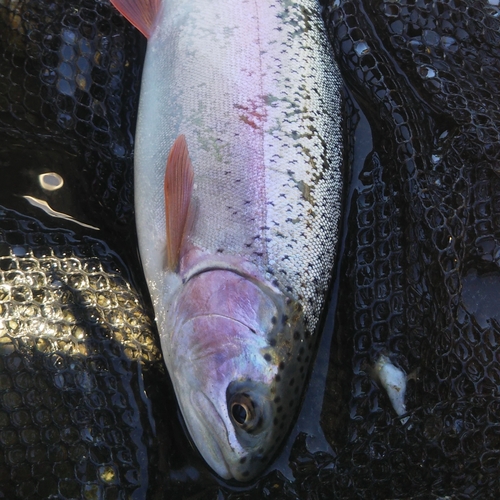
(141, 13)
(178, 187)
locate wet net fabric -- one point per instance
(75, 341)
(70, 82)
(423, 240)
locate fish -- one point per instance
(238, 187)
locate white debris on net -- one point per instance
(393, 380)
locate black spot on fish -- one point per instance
(284, 318)
(296, 335)
(282, 366)
(274, 320)
(299, 358)
(277, 378)
(267, 357)
(243, 460)
(272, 342)
(280, 409)
(292, 382)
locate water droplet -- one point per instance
(68, 36)
(19, 251)
(449, 43)
(431, 38)
(66, 87)
(361, 48)
(118, 150)
(426, 72)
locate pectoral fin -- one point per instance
(179, 177)
(141, 13)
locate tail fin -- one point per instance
(141, 13)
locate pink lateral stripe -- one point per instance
(140, 13)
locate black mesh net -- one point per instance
(75, 342)
(86, 410)
(422, 264)
(70, 81)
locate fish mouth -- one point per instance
(207, 445)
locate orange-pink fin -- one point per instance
(141, 13)
(179, 177)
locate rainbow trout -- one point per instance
(238, 189)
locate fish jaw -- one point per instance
(227, 350)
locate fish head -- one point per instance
(227, 364)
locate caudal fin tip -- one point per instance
(140, 13)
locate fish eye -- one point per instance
(249, 408)
(240, 413)
(242, 410)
